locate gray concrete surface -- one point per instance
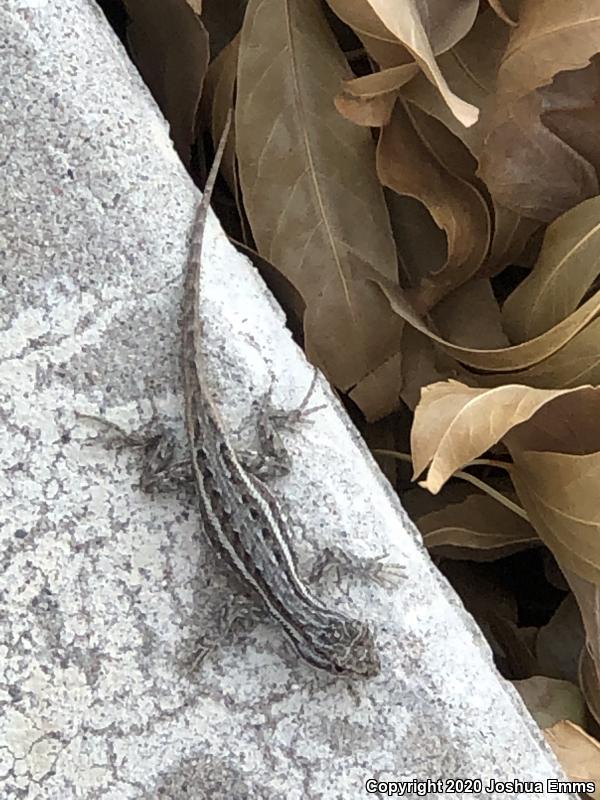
(104, 590)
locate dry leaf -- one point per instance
(549, 700)
(406, 23)
(551, 36)
(369, 100)
(443, 23)
(170, 47)
(421, 244)
(380, 83)
(383, 47)
(527, 168)
(568, 264)
(307, 176)
(471, 68)
(556, 471)
(424, 362)
(576, 364)
(371, 112)
(482, 326)
(378, 393)
(405, 164)
(479, 529)
(455, 423)
(571, 106)
(511, 235)
(578, 754)
(505, 359)
(401, 378)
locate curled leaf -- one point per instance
(556, 472)
(405, 22)
(568, 263)
(406, 163)
(455, 423)
(495, 360)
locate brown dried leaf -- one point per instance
(383, 47)
(424, 362)
(444, 22)
(567, 266)
(482, 325)
(378, 393)
(471, 68)
(369, 100)
(566, 523)
(571, 110)
(549, 700)
(527, 168)
(479, 529)
(506, 359)
(169, 44)
(511, 235)
(551, 36)
(419, 363)
(307, 176)
(421, 244)
(455, 423)
(371, 112)
(406, 23)
(406, 164)
(577, 752)
(556, 472)
(382, 82)
(576, 364)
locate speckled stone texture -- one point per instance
(105, 590)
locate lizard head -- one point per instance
(344, 647)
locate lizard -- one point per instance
(241, 517)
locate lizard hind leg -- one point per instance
(236, 614)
